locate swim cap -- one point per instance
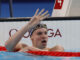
(40, 25)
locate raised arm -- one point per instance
(12, 42)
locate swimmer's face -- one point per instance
(39, 38)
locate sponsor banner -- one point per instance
(65, 33)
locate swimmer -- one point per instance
(38, 35)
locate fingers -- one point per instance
(44, 14)
(36, 12)
(41, 15)
(45, 17)
(41, 12)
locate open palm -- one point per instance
(38, 17)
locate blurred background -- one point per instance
(24, 8)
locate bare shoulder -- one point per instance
(20, 46)
(58, 48)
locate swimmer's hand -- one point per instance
(38, 17)
(31, 49)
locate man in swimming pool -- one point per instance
(38, 35)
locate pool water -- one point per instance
(27, 56)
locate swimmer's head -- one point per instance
(37, 27)
(39, 36)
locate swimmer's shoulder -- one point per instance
(20, 46)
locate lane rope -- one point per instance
(49, 53)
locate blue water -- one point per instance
(26, 56)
